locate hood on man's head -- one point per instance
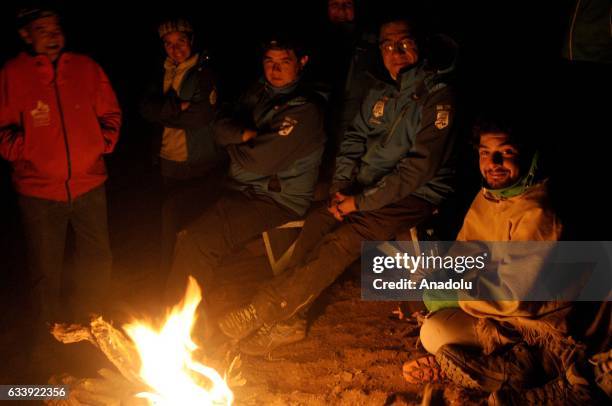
(439, 52)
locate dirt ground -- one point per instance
(353, 355)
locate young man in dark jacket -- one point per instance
(275, 138)
(393, 170)
(58, 118)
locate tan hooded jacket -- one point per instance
(526, 217)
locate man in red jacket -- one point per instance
(58, 117)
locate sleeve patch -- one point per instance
(442, 116)
(287, 126)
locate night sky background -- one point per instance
(510, 53)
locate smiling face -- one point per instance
(282, 67)
(499, 160)
(178, 46)
(45, 36)
(398, 48)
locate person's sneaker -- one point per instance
(470, 369)
(239, 323)
(568, 389)
(269, 337)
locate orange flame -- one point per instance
(167, 364)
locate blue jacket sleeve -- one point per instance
(352, 148)
(233, 119)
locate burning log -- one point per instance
(112, 342)
(110, 388)
(155, 366)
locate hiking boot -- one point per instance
(568, 389)
(423, 370)
(602, 371)
(470, 369)
(239, 323)
(269, 337)
(559, 355)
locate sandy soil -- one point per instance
(353, 353)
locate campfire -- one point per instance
(156, 365)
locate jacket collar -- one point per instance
(190, 62)
(405, 79)
(520, 187)
(408, 79)
(46, 70)
(41, 59)
(281, 91)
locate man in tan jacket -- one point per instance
(499, 346)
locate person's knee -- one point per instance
(430, 334)
(94, 252)
(448, 326)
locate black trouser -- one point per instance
(46, 224)
(326, 248)
(184, 199)
(223, 229)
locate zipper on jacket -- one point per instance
(61, 114)
(395, 122)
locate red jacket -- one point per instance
(56, 123)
